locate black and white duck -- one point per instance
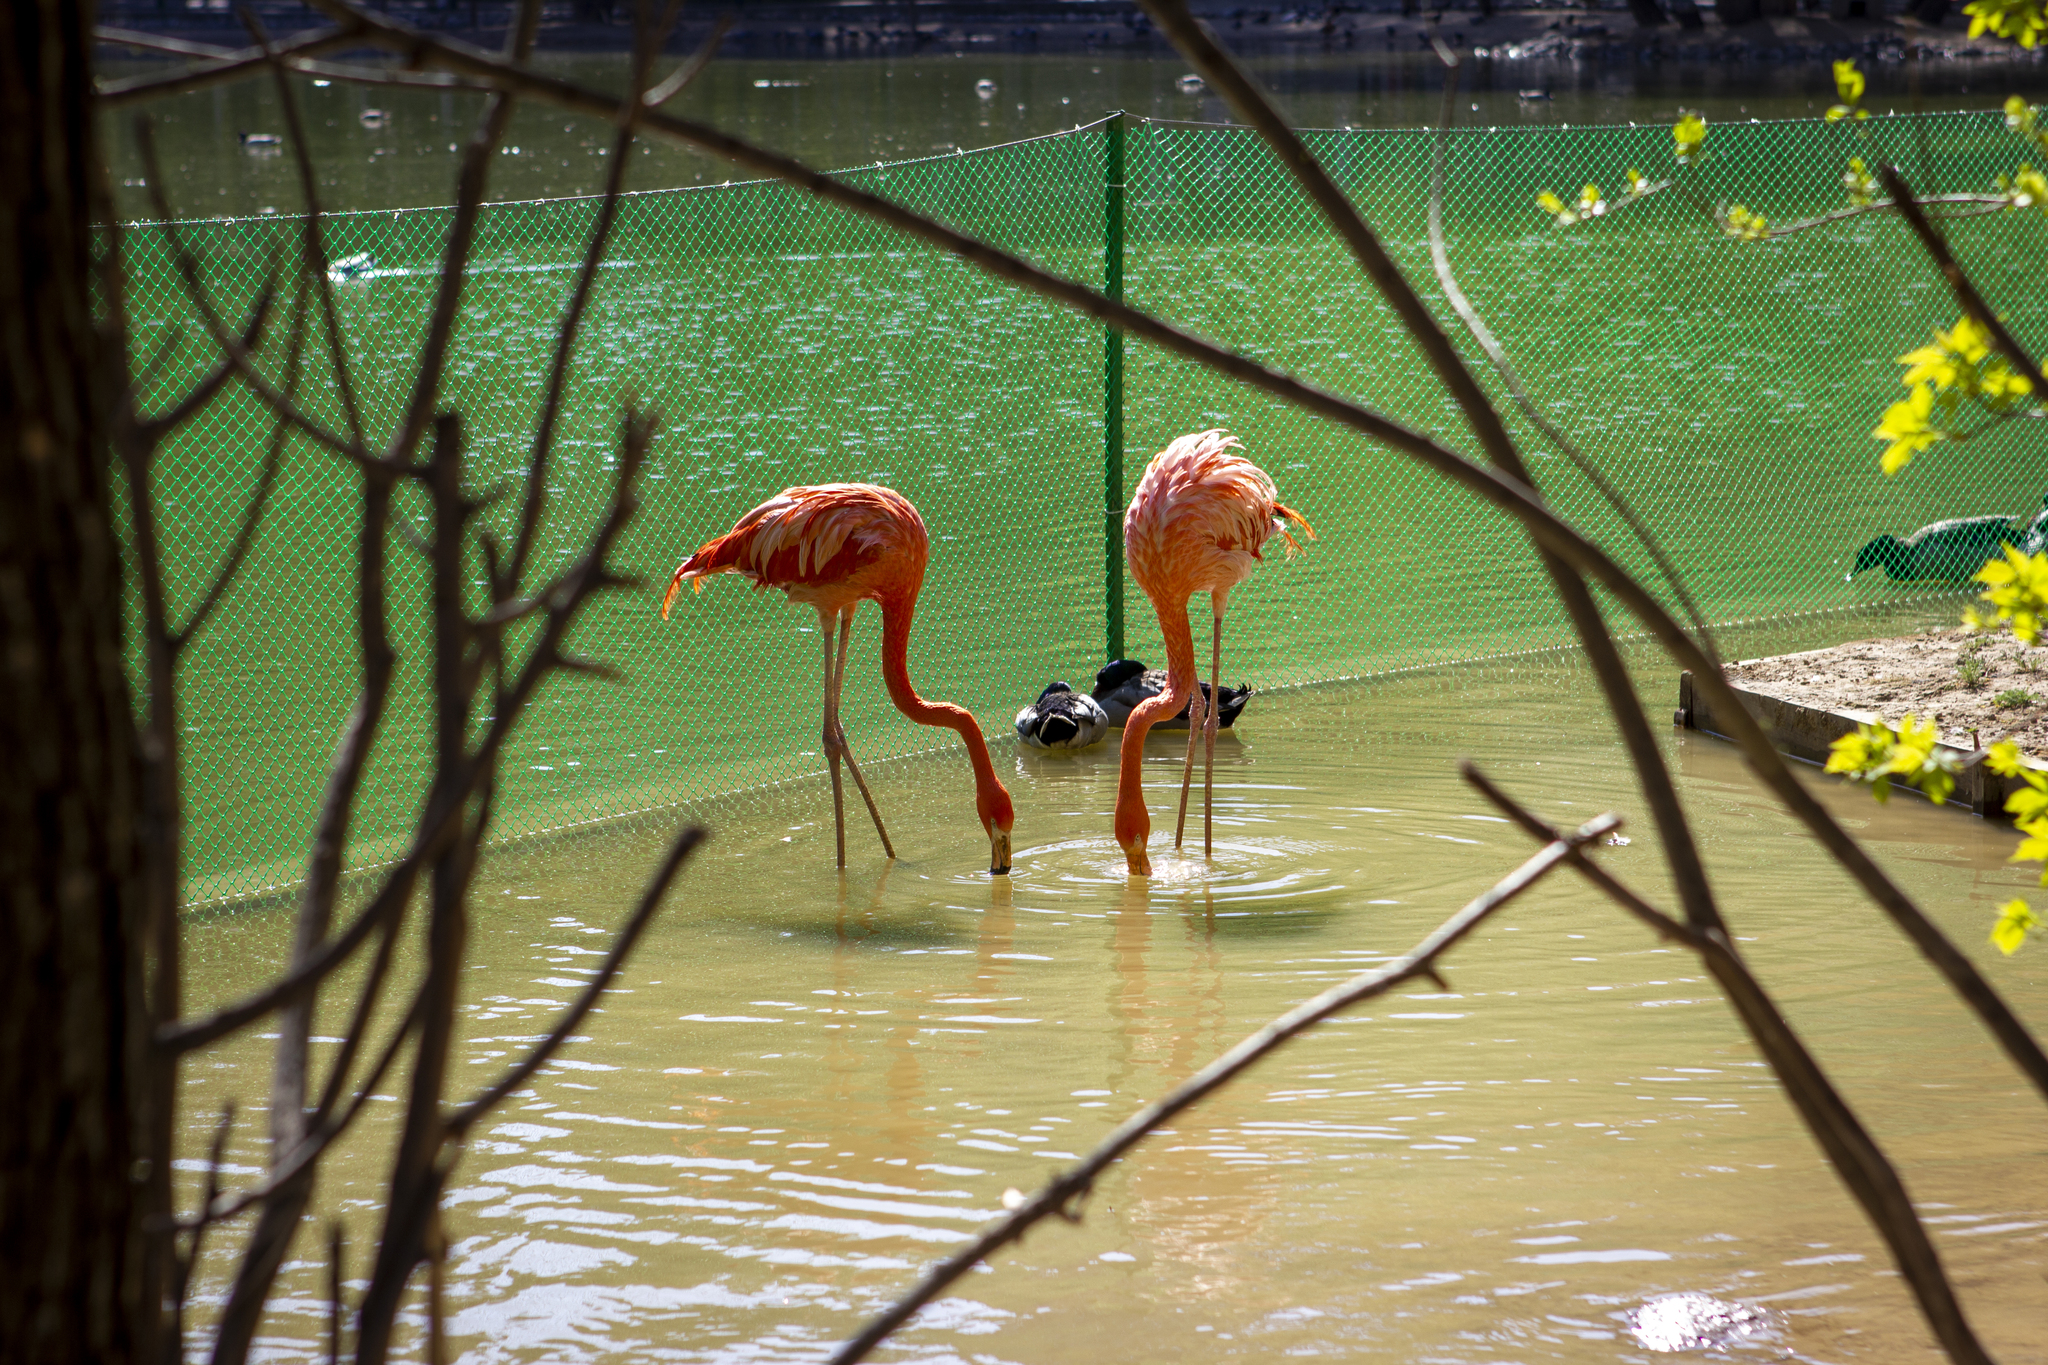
(1952, 551)
(1123, 683)
(1062, 718)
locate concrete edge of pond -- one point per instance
(1804, 733)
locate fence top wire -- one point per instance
(862, 169)
(1430, 130)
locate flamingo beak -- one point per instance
(1136, 863)
(998, 852)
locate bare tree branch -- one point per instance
(315, 235)
(1222, 71)
(252, 516)
(1482, 334)
(227, 65)
(1057, 1197)
(645, 46)
(1855, 1155)
(679, 79)
(310, 1144)
(155, 427)
(195, 288)
(466, 1116)
(1959, 280)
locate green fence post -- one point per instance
(1113, 390)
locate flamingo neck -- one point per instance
(1133, 823)
(897, 614)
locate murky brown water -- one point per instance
(812, 1085)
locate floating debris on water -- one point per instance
(985, 88)
(348, 268)
(1190, 83)
(1692, 1321)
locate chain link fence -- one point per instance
(1727, 387)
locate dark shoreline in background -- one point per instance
(876, 28)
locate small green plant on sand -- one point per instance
(2012, 697)
(1970, 671)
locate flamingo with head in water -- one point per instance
(832, 546)
(1197, 523)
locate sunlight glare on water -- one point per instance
(811, 1085)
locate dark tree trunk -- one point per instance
(73, 1020)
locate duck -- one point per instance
(1062, 718)
(260, 142)
(351, 267)
(1123, 683)
(1191, 84)
(373, 118)
(1950, 551)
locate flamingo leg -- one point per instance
(1187, 769)
(846, 750)
(1215, 713)
(827, 623)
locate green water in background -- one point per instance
(1727, 388)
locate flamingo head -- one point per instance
(1133, 830)
(992, 803)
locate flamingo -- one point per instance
(832, 546)
(1197, 523)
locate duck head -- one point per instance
(1889, 551)
(1116, 673)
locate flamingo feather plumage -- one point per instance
(1198, 522)
(832, 547)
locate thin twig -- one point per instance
(461, 240)
(195, 288)
(1439, 255)
(1217, 67)
(314, 233)
(252, 516)
(563, 598)
(1856, 1157)
(156, 426)
(1959, 281)
(1973, 206)
(227, 65)
(466, 1115)
(1059, 1195)
(315, 1139)
(1492, 487)
(645, 46)
(692, 67)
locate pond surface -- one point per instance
(855, 112)
(811, 1085)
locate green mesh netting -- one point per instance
(1727, 387)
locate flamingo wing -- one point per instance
(807, 536)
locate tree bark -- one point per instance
(74, 1023)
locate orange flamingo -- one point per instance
(832, 546)
(1197, 523)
